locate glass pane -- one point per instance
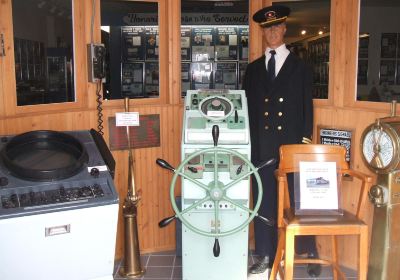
(129, 31)
(43, 49)
(378, 77)
(214, 44)
(308, 36)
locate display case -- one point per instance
(132, 79)
(186, 50)
(60, 84)
(202, 75)
(132, 43)
(139, 61)
(202, 40)
(210, 32)
(389, 59)
(29, 71)
(185, 78)
(243, 43)
(318, 57)
(242, 71)
(218, 56)
(225, 76)
(151, 79)
(226, 43)
(151, 35)
(362, 72)
(209, 55)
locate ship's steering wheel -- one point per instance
(216, 191)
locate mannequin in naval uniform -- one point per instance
(280, 112)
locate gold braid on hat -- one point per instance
(272, 21)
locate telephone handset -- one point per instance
(96, 74)
(96, 62)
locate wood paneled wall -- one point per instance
(339, 111)
(152, 182)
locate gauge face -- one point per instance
(378, 148)
(216, 108)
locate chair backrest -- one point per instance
(311, 152)
(291, 155)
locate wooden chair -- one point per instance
(290, 225)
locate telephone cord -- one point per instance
(99, 108)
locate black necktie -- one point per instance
(271, 66)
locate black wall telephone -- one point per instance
(96, 62)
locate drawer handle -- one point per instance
(50, 231)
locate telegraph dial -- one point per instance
(380, 146)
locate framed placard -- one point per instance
(146, 135)
(132, 79)
(362, 73)
(185, 78)
(185, 43)
(244, 43)
(201, 73)
(132, 46)
(337, 136)
(388, 45)
(152, 42)
(226, 45)
(151, 79)
(242, 71)
(317, 189)
(387, 72)
(202, 41)
(363, 45)
(225, 75)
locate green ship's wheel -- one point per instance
(215, 191)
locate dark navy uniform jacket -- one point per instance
(280, 112)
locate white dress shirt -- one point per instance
(281, 54)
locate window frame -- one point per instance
(9, 82)
(163, 59)
(352, 45)
(84, 90)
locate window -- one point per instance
(308, 36)
(43, 52)
(130, 33)
(378, 77)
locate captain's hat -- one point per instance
(271, 15)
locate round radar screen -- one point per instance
(44, 155)
(216, 108)
(380, 147)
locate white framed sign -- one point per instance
(318, 186)
(127, 119)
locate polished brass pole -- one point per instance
(132, 267)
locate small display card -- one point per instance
(215, 113)
(127, 119)
(318, 185)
